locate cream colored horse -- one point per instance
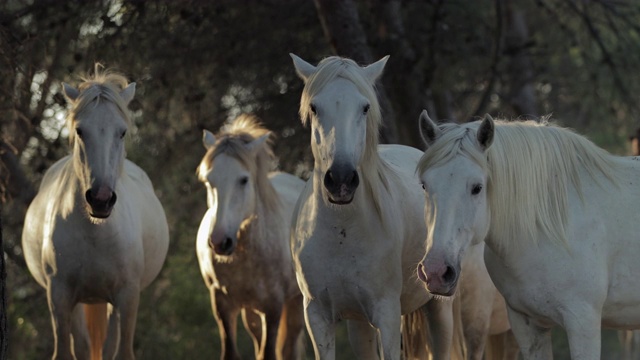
(243, 242)
(558, 217)
(358, 225)
(95, 233)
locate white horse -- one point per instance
(359, 221)
(95, 233)
(558, 215)
(243, 242)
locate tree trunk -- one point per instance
(342, 27)
(521, 95)
(4, 333)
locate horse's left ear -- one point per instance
(429, 130)
(208, 139)
(70, 92)
(485, 132)
(303, 68)
(257, 143)
(374, 70)
(128, 93)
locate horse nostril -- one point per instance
(88, 197)
(328, 180)
(449, 275)
(112, 200)
(227, 244)
(355, 180)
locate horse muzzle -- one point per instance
(439, 280)
(100, 202)
(341, 182)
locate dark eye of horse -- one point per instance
(79, 132)
(423, 187)
(366, 108)
(243, 180)
(476, 189)
(313, 109)
(123, 134)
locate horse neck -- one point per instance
(264, 226)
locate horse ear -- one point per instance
(128, 93)
(208, 140)
(485, 132)
(374, 70)
(429, 130)
(70, 92)
(303, 68)
(257, 143)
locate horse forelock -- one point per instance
(231, 141)
(530, 168)
(103, 85)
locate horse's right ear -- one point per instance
(70, 92)
(429, 130)
(303, 68)
(485, 132)
(208, 140)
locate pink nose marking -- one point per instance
(104, 193)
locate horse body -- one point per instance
(569, 257)
(355, 260)
(254, 274)
(358, 223)
(86, 247)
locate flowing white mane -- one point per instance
(375, 172)
(531, 168)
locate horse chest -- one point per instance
(92, 257)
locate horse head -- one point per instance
(97, 127)
(340, 100)
(457, 213)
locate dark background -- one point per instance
(198, 64)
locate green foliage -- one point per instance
(198, 64)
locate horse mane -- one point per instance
(231, 140)
(104, 84)
(530, 165)
(374, 170)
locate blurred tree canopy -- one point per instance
(200, 63)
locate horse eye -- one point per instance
(476, 189)
(313, 109)
(243, 180)
(123, 134)
(79, 132)
(423, 187)
(366, 108)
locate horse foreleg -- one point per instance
(534, 341)
(387, 318)
(113, 333)
(440, 320)
(60, 305)
(583, 332)
(321, 329)
(363, 339)
(127, 304)
(253, 323)
(79, 332)
(226, 315)
(270, 338)
(291, 329)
